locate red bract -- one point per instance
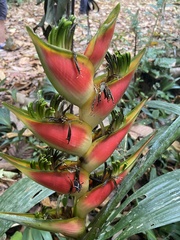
(60, 66)
(65, 181)
(99, 44)
(93, 198)
(102, 148)
(95, 110)
(73, 136)
(97, 195)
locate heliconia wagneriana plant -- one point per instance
(86, 177)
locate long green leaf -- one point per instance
(169, 107)
(21, 197)
(160, 206)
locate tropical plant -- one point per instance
(79, 143)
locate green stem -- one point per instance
(158, 148)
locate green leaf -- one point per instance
(2, 89)
(160, 206)
(16, 236)
(35, 234)
(5, 117)
(155, 114)
(171, 230)
(168, 107)
(150, 235)
(165, 62)
(21, 197)
(46, 235)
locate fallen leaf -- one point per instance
(140, 131)
(176, 146)
(2, 75)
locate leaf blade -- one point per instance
(161, 206)
(27, 193)
(169, 107)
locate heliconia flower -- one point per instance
(97, 195)
(95, 110)
(73, 180)
(102, 148)
(99, 44)
(72, 227)
(70, 73)
(72, 136)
